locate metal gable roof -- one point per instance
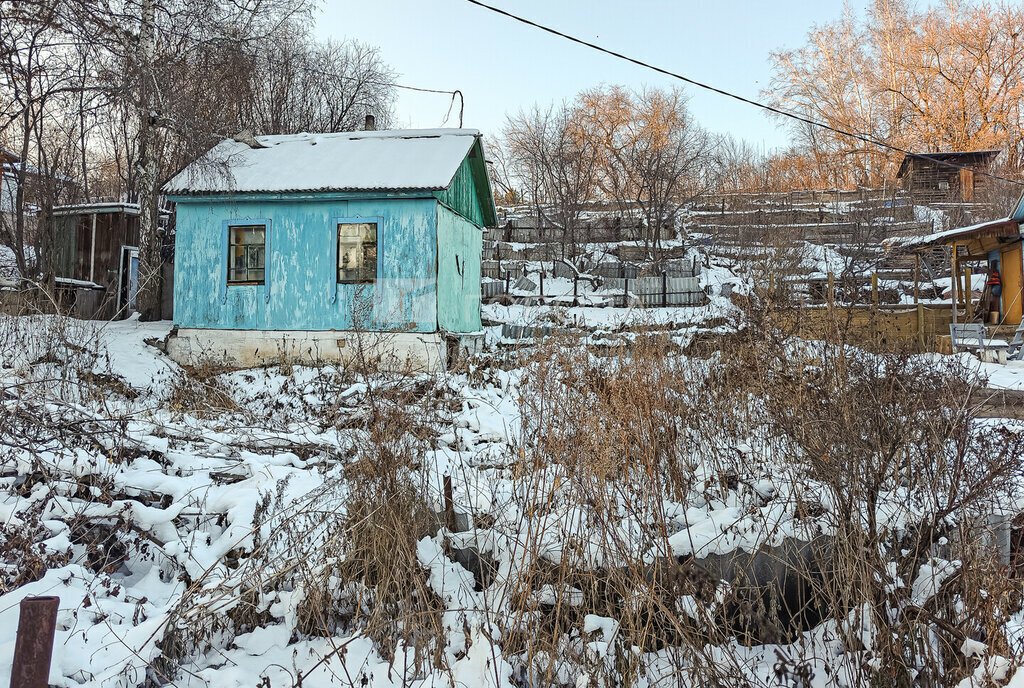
(401, 159)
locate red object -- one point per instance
(993, 278)
(34, 647)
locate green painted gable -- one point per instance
(469, 193)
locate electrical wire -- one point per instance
(784, 113)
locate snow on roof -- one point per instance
(68, 282)
(101, 207)
(347, 161)
(992, 227)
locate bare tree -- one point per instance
(654, 157)
(556, 158)
(40, 81)
(303, 85)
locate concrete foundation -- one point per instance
(394, 351)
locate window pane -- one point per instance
(254, 257)
(357, 252)
(247, 253)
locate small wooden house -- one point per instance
(319, 247)
(946, 176)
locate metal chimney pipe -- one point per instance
(370, 123)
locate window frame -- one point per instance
(335, 221)
(226, 258)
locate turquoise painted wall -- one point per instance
(469, 193)
(302, 265)
(461, 194)
(459, 243)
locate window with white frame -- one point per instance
(357, 252)
(247, 254)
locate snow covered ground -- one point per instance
(186, 518)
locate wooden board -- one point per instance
(1012, 274)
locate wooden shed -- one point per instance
(316, 246)
(97, 249)
(946, 176)
(995, 244)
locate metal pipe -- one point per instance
(33, 648)
(92, 251)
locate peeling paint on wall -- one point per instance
(459, 245)
(302, 264)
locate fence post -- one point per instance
(542, 281)
(917, 278)
(954, 298)
(33, 648)
(575, 286)
(968, 289)
(920, 323)
(831, 288)
(625, 291)
(874, 288)
(664, 288)
(508, 282)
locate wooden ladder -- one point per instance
(1016, 350)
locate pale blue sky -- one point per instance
(501, 65)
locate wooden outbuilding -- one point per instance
(997, 245)
(97, 256)
(947, 176)
(314, 247)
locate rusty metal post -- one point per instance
(34, 646)
(449, 505)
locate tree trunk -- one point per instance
(148, 298)
(20, 252)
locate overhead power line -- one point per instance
(764, 106)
